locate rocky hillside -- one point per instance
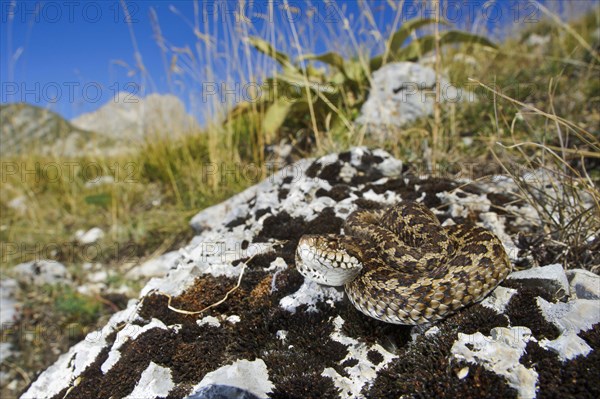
(266, 332)
(25, 127)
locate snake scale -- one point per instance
(399, 265)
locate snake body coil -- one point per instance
(399, 265)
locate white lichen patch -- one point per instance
(389, 166)
(347, 172)
(155, 382)
(363, 372)
(577, 315)
(216, 322)
(567, 346)
(387, 197)
(500, 353)
(281, 335)
(129, 333)
(175, 282)
(69, 366)
(251, 376)
(525, 215)
(461, 203)
(311, 293)
(499, 298)
(570, 318)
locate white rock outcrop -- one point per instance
(402, 92)
(269, 333)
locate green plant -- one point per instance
(75, 307)
(305, 97)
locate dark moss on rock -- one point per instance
(575, 378)
(284, 227)
(313, 169)
(91, 373)
(331, 172)
(282, 194)
(305, 386)
(362, 203)
(397, 185)
(523, 310)
(374, 357)
(260, 212)
(338, 192)
(236, 222)
(345, 156)
(366, 169)
(423, 368)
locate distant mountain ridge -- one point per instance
(116, 127)
(26, 128)
(133, 118)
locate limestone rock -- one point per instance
(89, 237)
(584, 284)
(552, 278)
(42, 272)
(264, 332)
(401, 92)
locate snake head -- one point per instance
(327, 259)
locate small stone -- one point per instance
(156, 267)
(98, 277)
(19, 204)
(42, 272)
(209, 320)
(244, 375)
(91, 236)
(462, 373)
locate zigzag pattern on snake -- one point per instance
(399, 265)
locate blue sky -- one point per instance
(73, 56)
